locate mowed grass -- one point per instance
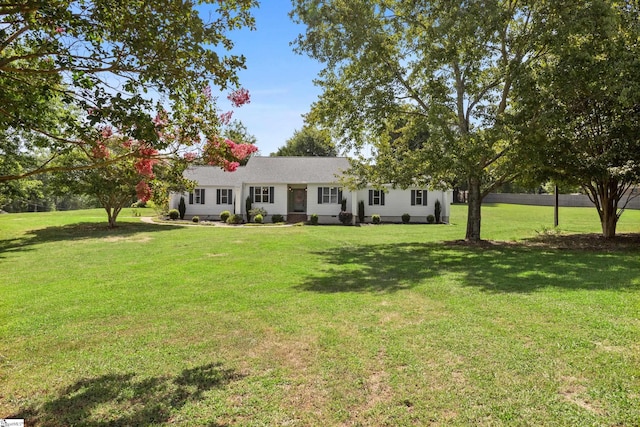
(301, 326)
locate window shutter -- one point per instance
(382, 197)
(190, 198)
(319, 195)
(370, 197)
(229, 196)
(413, 197)
(202, 196)
(251, 193)
(339, 195)
(424, 197)
(218, 196)
(271, 198)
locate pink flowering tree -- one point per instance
(118, 169)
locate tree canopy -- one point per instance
(70, 68)
(580, 108)
(309, 141)
(397, 69)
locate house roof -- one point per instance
(273, 170)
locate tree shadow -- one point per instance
(493, 267)
(125, 400)
(78, 231)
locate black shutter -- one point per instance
(202, 196)
(339, 195)
(271, 195)
(251, 194)
(413, 197)
(319, 195)
(190, 198)
(370, 197)
(424, 197)
(217, 196)
(229, 196)
(382, 197)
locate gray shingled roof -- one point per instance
(273, 170)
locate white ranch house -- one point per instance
(296, 188)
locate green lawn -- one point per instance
(329, 325)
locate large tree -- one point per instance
(309, 141)
(394, 66)
(116, 63)
(581, 106)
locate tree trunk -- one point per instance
(605, 195)
(474, 217)
(608, 214)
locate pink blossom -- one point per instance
(143, 191)
(60, 30)
(239, 97)
(225, 118)
(107, 132)
(100, 151)
(229, 166)
(190, 157)
(207, 92)
(160, 119)
(145, 167)
(128, 143)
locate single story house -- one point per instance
(296, 188)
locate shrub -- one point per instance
(346, 218)
(431, 219)
(195, 219)
(277, 218)
(224, 215)
(343, 204)
(174, 214)
(258, 211)
(313, 219)
(258, 219)
(234, 219)
(406, 218)
(139, 204)
(437, 210)
(361, 211)
(375, 218)
(247, 207)
(182, 208)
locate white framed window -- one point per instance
(262, 194)
(197, 197)
(418, 197)
(376, 198)
(329, 195)
(224, 196)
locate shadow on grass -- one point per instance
(124, 400)
(79, 231)
(493, 267)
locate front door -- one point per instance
(299, 200)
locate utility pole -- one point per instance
(555, 210)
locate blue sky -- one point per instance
(280, 81)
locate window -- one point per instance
(197, 197)
(376, 197)
(224, 196)
(329, 195)
(261, 194)
(418, 197)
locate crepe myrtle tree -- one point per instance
(579, 110)
(131, 175)
(70, 68)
